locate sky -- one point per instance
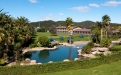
(59, 10)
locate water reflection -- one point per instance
(34, 52)
(70, 53)
(28, 54)
(43, 54)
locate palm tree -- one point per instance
(95, 30)
(100, 25)
(69, 23)
(22, 21)
(69, 27)
(106, 22)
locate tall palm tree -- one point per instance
(106, 22)
(69, 27)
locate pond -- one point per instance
(57, 55)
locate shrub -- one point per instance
(35, 44)
(61, 38)
(92, 35)
(115, 48)
(44, 41)
(41, 30)
(91, 44)
(68, 40)
(105, 42)
(78, 39)
(51, 39)
(81, 36)
(32, 45)
(87, 49)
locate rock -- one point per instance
(102, 49)
(96, 45)
(93, 49)
(50, 62)
(33, 62)
(79, 52)
(39, 63)
(76, 59)
(66, 60)
(27, 59)
(88, 55)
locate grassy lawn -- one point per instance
(106, 69)
(65, 35)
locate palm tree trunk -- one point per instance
(70, 40)
(101, 33)
(16, 55)
(106, 34)
(6, 47)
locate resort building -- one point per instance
(76, 30)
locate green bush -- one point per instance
(41, 30)
(105, 42)
(87, 49)
(32, 45)
(115, 48)
(91, 44)
(44, 41)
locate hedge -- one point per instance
(115, 48)
(58, 66)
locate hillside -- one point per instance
(83, 24)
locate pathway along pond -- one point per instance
(57, 55)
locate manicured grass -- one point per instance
(106, 69)
(65, 35)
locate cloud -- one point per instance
(81, 8)
(112, 3)
(61, 14)
(94, 5)
(33, 1)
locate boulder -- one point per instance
(66, 60)
(50, 62)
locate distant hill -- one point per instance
(83, 24)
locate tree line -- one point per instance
(84, 24)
